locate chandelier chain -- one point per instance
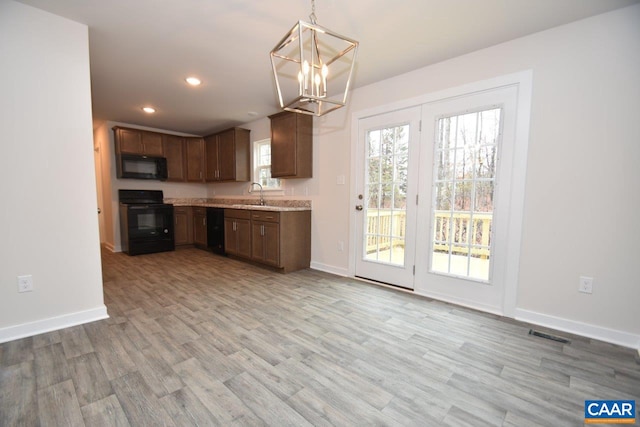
(312, 17)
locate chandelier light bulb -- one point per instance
(325, 73)
(317, 82)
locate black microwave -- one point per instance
(141, 167)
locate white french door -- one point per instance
(465, 183)
(438, 194)
(386, 183)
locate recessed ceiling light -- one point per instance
(193, 81)
(149, 110)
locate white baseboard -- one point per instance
(330, 269)
(52, 324)
(612, 336)
(109, 246)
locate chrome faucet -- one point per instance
(262, 202)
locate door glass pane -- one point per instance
(386, 194)
(466, 153)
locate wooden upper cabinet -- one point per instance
(224, 156)
(135, 141)
(291, 145)
(195, 159)
(228, 156)
(174, 150)
(152, 144)
(128, 141)
(211, 158)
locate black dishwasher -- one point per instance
(215, 230)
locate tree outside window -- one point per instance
(262, 165)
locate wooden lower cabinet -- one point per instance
(277, 239)
(183, 221)
(265, 237)
(237, 232)
(200, 226)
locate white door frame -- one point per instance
(523, 80)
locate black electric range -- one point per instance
(146, 223)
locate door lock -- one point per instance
(358, 207)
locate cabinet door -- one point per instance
(200, 226)
(230, 236)
(183, 232)
(265, 238)
(226, 156)
(271, 236)
(283, 145)
(291, 145)
(237, 237)
(195, 159)
(212, 167)
(243, 226)
(257, 241)
(173, 147)
(129, 141)
(152, 144)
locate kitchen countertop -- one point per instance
(247, 204)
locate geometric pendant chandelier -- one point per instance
(312, 68)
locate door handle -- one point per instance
(358, 207)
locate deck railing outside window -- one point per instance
(457, 231)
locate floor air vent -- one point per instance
(548, 336)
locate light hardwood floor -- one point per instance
(198, 339)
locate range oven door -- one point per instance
(146, 228)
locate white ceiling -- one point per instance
(141, 50)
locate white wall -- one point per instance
(584, 152)
(48, 212)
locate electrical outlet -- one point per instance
(340, 246)
(25, 283)
(585, 285)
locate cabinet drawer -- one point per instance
(181, 209)
(237, 213)
(197, 210)
(265, 216)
